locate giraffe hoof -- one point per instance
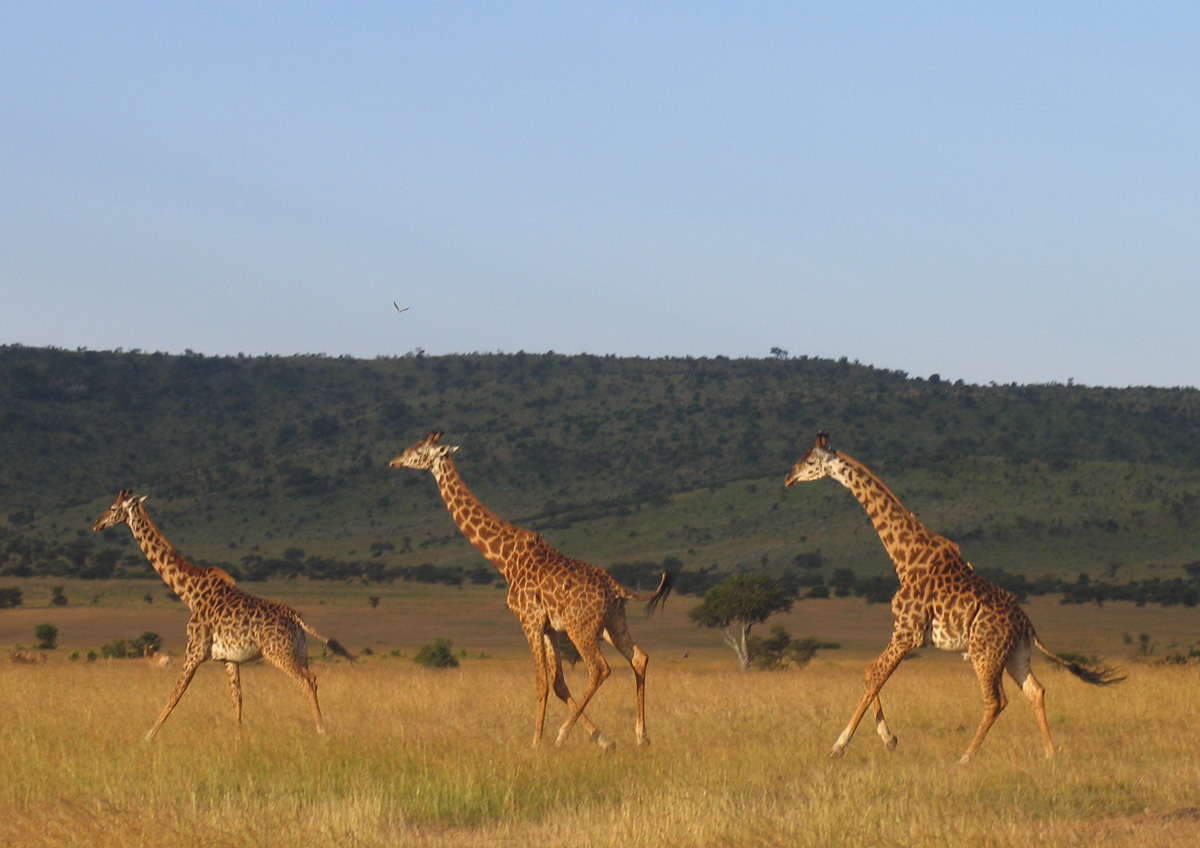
(892, 743)
(837, 752)
(603, 741)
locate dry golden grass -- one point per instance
(417, 757)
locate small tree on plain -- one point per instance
(46, 635)
(780, 650)
(436, 654)
(738, 603)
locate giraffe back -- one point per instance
(567, 589)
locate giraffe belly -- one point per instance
(234, 651)
(946, 638)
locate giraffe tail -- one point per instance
(660, 594)
(331, 644)
(1100, 675)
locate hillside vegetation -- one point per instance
(278, 465)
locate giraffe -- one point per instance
(226, 623)
(550, 593)
(942, 600)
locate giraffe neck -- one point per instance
(181, 576)
(907, 541)
(483, 529)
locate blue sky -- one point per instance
(991, 192)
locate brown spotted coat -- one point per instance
(227, 624)
(942, 601)
(549, 592)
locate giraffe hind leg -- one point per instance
(235, 691)
(881, 725)
(617, 634)
(554, 653)
(294, 664)
(598, 672)
(1019, 669)
(990, 676)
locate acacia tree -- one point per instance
(738, 603)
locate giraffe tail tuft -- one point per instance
(337, 648)
(1099, 675)
(660, 594)
(332, 644)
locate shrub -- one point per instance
(137, 646)
(115, 650)
(436, 654)
(10, 596)
(47, 636)
(57, 597)
(780, 650)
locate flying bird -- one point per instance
(398, 309)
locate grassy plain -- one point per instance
(417, 757)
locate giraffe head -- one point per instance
(814, 464)
(425, 454)
(118, 513)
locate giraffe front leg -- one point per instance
(199, 646)
(877, 674)
(185, 678)
(537, 645)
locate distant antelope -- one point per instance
(29, 657)
(154, 657)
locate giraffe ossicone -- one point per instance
(942, 601)
(550, 593)
(227, 624)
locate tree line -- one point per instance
(244, 450)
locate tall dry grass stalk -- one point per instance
(416, 757)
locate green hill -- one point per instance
(278, 465)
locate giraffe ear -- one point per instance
(142, 499)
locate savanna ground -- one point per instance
(421, 757)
